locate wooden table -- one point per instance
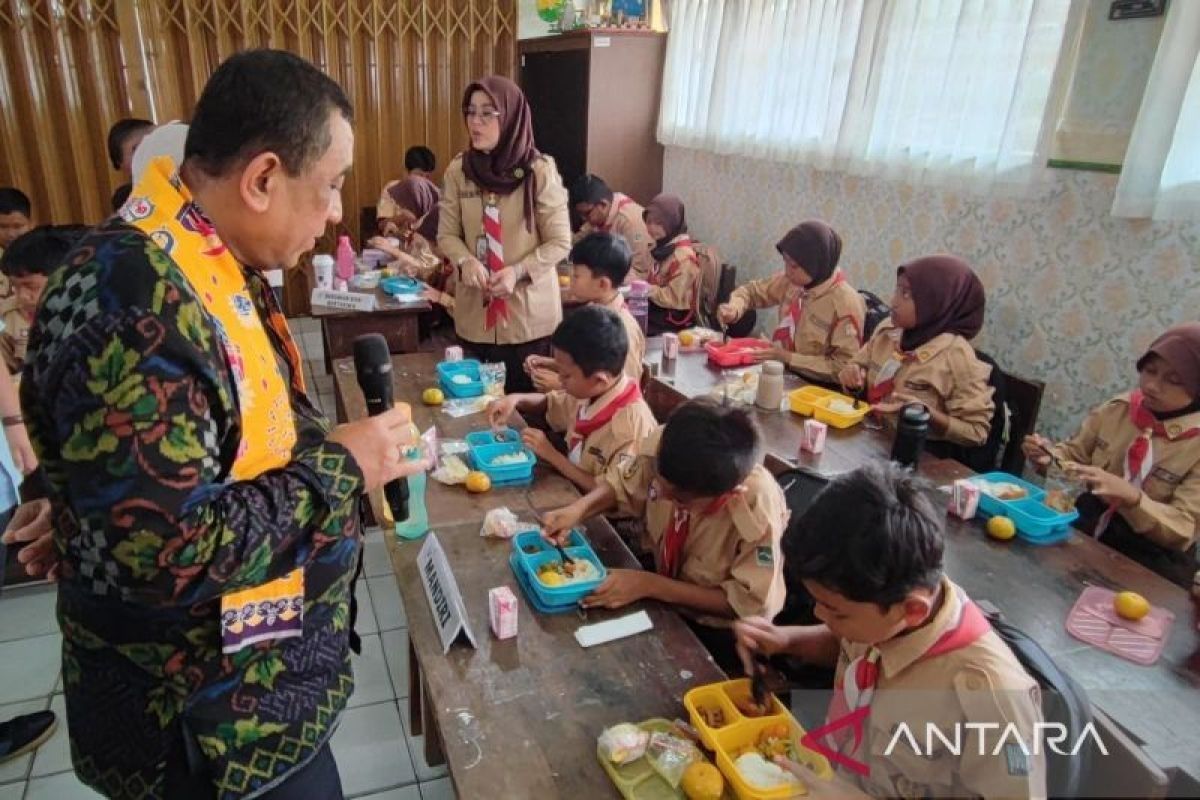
(1035, 587)
(519, 718)
(395, 320)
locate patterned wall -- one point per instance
(1074, 294)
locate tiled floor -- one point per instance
(376, 755)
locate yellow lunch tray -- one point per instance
(813, 401)
(741, 733)
(637, 780)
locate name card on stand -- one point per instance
(441, 590)
(346, 301)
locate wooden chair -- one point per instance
(1126, 771)
(368, 225)
(1024, 404)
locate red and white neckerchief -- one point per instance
(885, 379)
(791, 314)
(619, 202)
(1139, 458)
(678, 529)
(588, 420)
(854, 692)
(497, 307)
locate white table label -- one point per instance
(441, 590)
(346, 301)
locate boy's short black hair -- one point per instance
(420, 157)
(595, 339)
(707, 449)
(589, 189)
(605, 254)
(872, 535)
(259, 101)
(121, 130)
(14, 201)
(41, 250)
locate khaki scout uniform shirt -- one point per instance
(625, 218)
(637, 338)
(980, 683)
(623, 433)
(735, 548)
(423, 251)
(1170, 506)
(831, 321)
(14, 336)
(535, 307)
(675, 283)
(944, 374)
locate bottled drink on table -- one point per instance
(639, 302)
(911, 430)
(345, 259)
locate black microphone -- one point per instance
(373, 364)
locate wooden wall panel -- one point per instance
(69, 68)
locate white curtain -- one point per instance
(928, 90)
(1161, 174)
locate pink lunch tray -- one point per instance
(1093, 620)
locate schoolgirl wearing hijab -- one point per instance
(504, 227)
(820, 314)
(675, 277)
(415, 203)
(922, 353)
(1139, 455)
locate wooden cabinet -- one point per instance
(595, 96)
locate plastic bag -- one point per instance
(501, 523)
(622, 744)
(465, 406)
(452, 471)
(670, 756)
(493, 376)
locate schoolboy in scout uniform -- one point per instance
(713, 518)
(909, 647)
(603, 210)
(820, 315)
(599, 408)
(599, 261)
(1139, 454)
(922, 353)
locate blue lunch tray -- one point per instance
(1036, 522)
(506, 474)
(400, 285)
(552, 599)
(446, 370)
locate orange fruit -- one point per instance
(433, 396)
(1001, 528)
(564, 280)
(702, 781)
(1130, 605)
(687, 339)
(478, 481)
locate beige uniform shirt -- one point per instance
(628, 427)
(1170, 506)
(425, 253)
(14, 336)
(831, 321)
(944, 374)
(735, 548)
(386, 208)
(980, 683)
(625, 218)
(535, 306)
(637, 338)
(675, 283)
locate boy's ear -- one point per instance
(917, 607)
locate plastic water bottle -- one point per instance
(639, 302)
(345, 259)
(417, 524)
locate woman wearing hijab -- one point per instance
(922, 353)
(675, 276)
(504, 227)
(415, 222)
(820, 314)
(1139, 455)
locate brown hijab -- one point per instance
(508, 167)
(420, 196)
(949, 298)
(1179, 347)
(815, 246)
(667, 210)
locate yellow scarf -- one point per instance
(162, 208)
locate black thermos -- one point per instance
(911, 430)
